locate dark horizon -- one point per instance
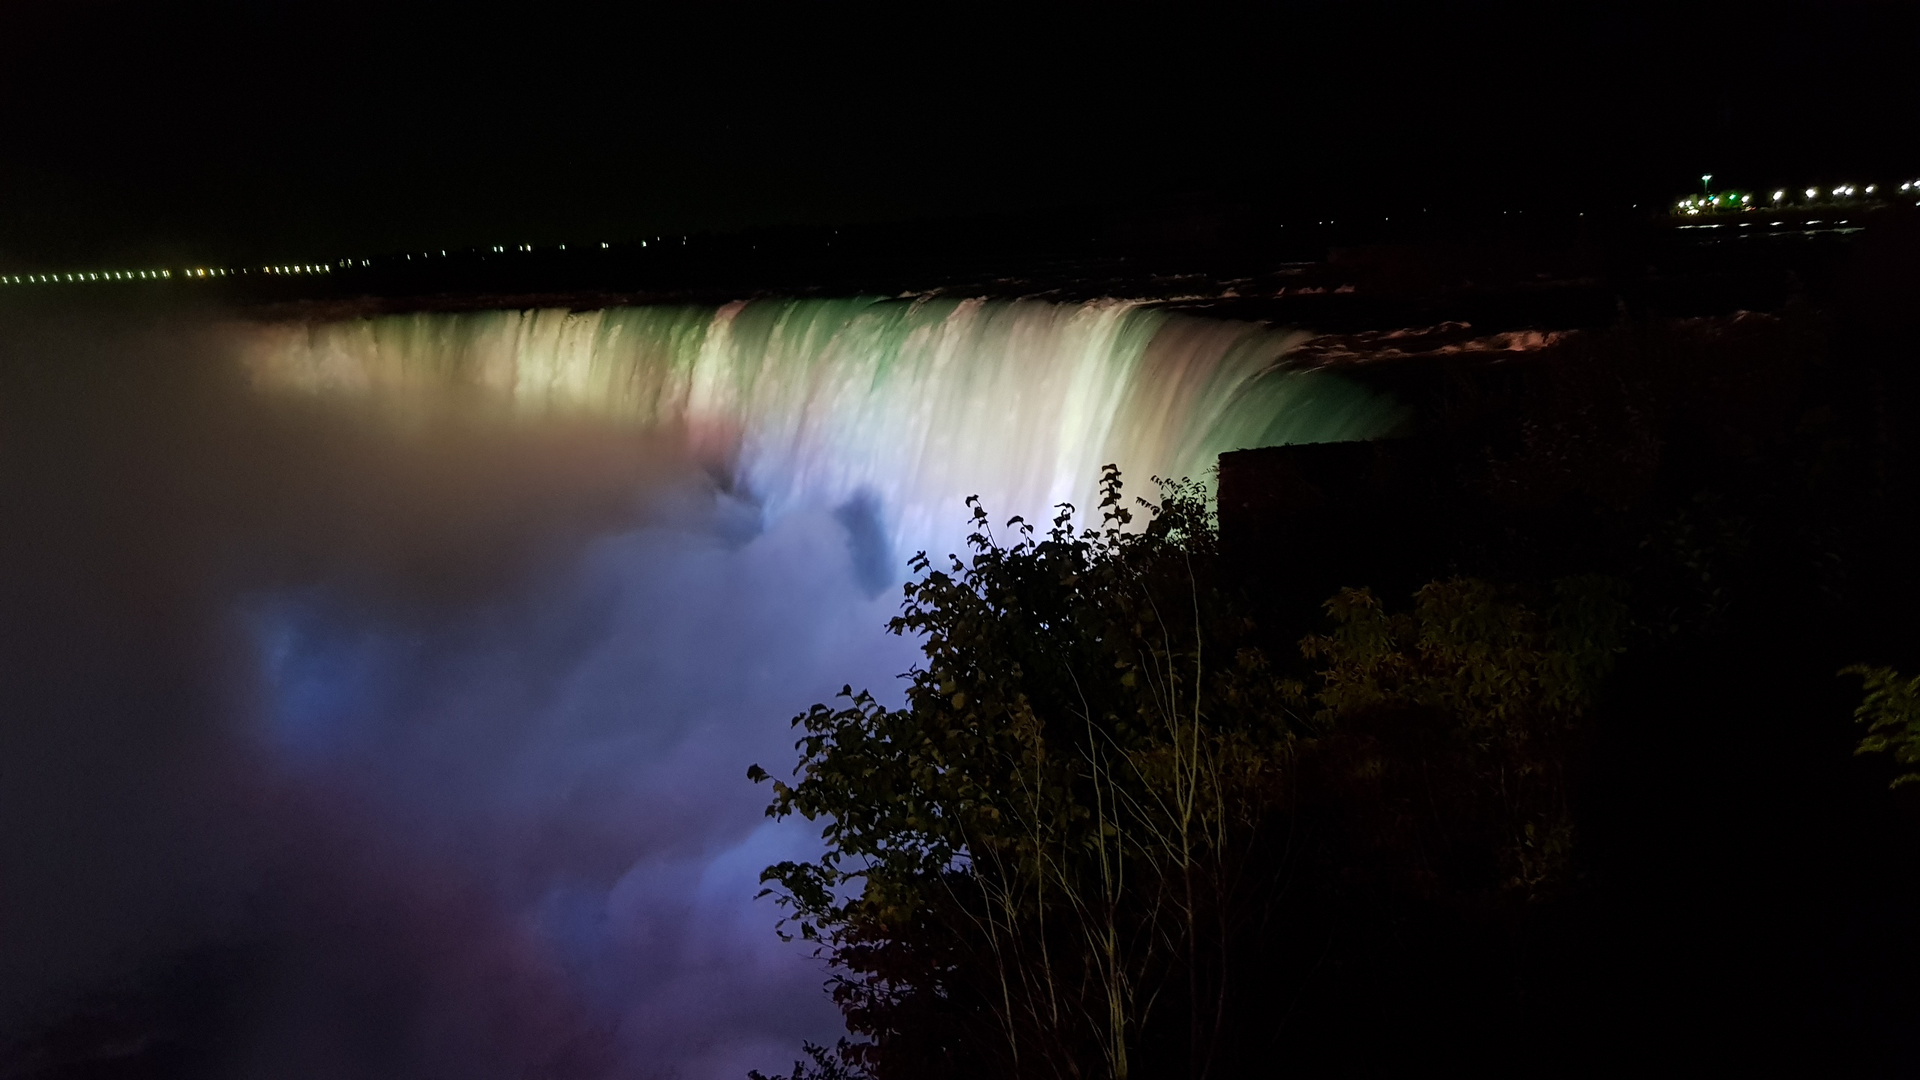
(223, 133)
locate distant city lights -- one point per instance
(161, 274)
(99, 275)
(1836, 196)
(272, 270)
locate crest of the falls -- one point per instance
(909, 405)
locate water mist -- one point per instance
(378, 692)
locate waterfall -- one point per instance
(910, 404)
(430, 663)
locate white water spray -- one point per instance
(915, 404)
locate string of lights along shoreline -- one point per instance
(82, 277)
(1839, 196)
(1708, 203)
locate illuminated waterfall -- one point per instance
(912, 403)
(566, 748)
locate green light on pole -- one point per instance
(1704, 181)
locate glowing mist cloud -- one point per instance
(911, 404)
(391, 717)
(568, 750)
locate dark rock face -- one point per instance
(1298, 523)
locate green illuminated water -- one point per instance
(914, 403)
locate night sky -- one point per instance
(310, 130)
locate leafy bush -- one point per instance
(1047, 833)
(1057, 858)
(1891, 711)
(1509, 685)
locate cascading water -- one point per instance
(913, 404)
(418, 726)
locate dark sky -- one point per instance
(313, 130)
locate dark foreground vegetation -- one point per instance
(1522, 743)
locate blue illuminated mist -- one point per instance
(571, 749)
(378, 693)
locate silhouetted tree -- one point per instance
(1054, 860)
